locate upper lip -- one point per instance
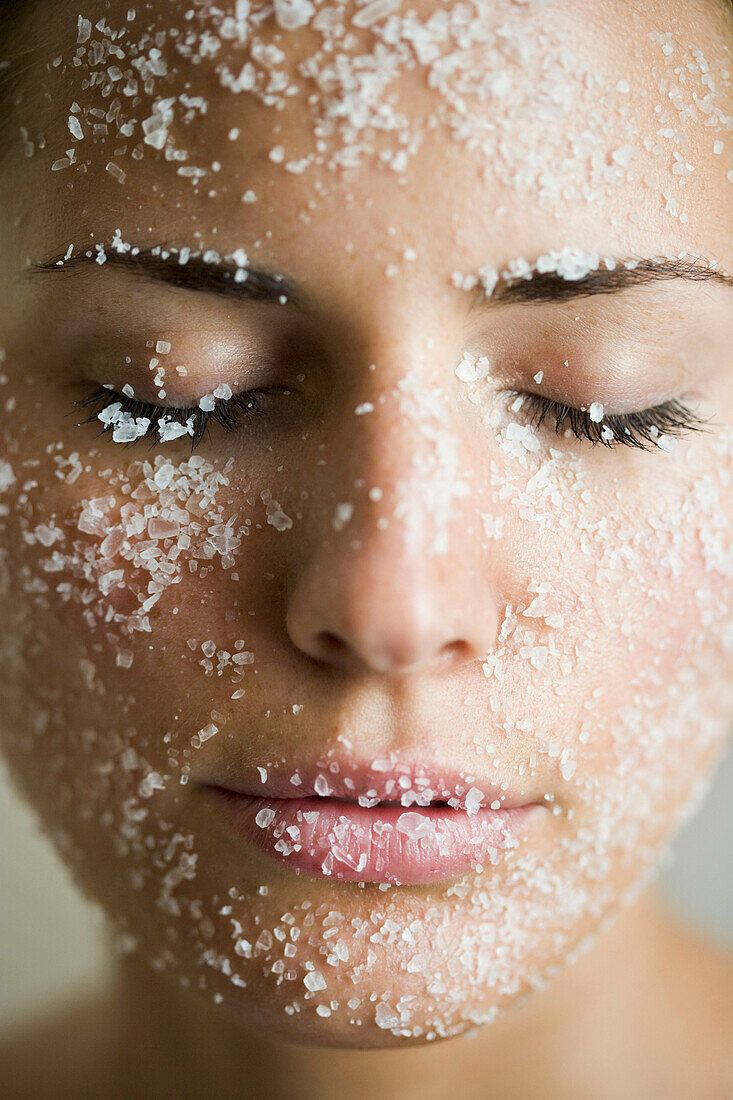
(400, 782)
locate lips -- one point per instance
(363, 824)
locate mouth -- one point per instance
(351, 828)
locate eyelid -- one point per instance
(229, 413)
(639, 428)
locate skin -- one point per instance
(403, 630)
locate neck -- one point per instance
(171, 1040)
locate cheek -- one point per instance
(615, 660)
(105, 577)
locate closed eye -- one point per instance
(641, 429)
(133, 415)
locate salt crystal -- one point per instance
(321, 786)
(159, 528)
(596, 412)
(265, 817)
(292, 14)
(223, 392)
(171, 429)
(489, 277)
(539, 376)
(342, 515)
(385, 1016)
(471, 369)
(207, 402)
(275, 515)
(474, 798)
(116, 172)
(567, 769)
(7, 477)
(378, 9)
(314, 981)
(415, 826)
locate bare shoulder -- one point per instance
(55, 1053)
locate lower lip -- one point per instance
(391, 844)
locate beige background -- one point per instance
(51, 939)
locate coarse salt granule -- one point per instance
(596, 412)
(292, 14)
(116, 172)
(342, 515)
(313, 981)
(7, 477)
(385, 1016)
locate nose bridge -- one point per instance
(398, 585)
(410, 455)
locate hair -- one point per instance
(16, 54)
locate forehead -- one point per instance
(547, 118)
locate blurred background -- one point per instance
(51, 939)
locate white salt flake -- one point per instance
(275, 515)
(415, 826)
(342, 515)
(385, 1016)
(7, 477)
(313, 981)
(474, 799)
(292, 14)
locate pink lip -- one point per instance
(319, 828)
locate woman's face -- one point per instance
(392, 571)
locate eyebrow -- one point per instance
(549, 286)
(264, 284)
(261, 284)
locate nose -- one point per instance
(405, 585)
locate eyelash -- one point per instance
(228, 413)
(635, 429)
